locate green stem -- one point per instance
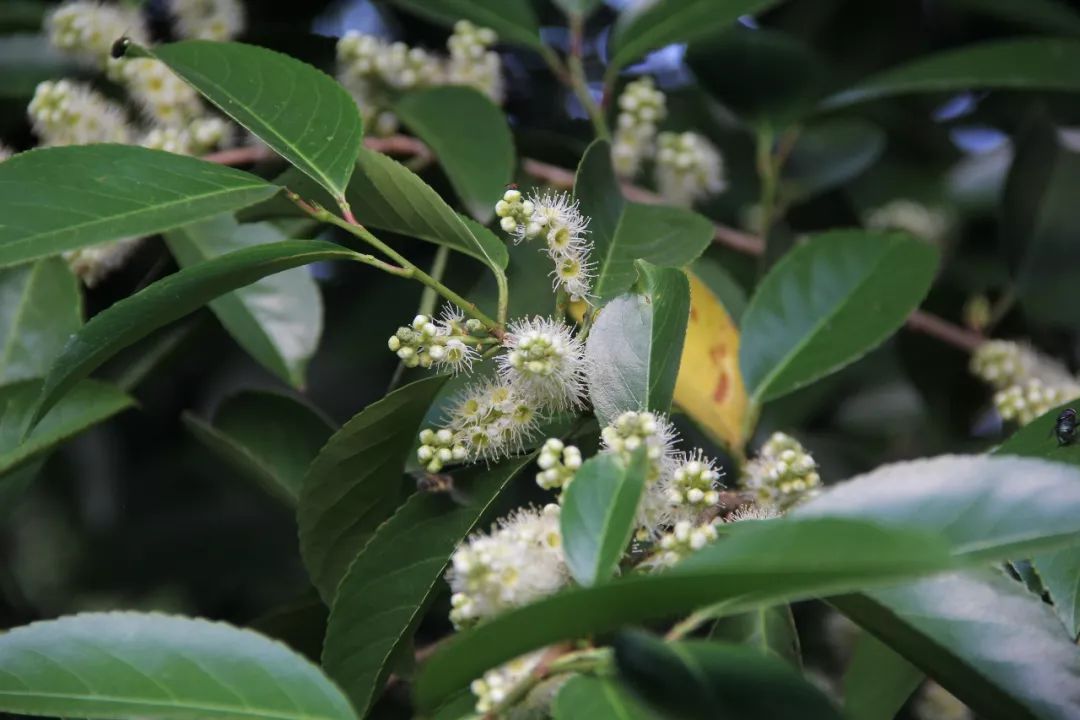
(406, 269)
(579, 82)
(438, 267)
(504, 296)
(562, 304)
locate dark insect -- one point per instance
(120, 47)
(511, 186)
(1065, 427)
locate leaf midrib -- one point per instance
(206, 707)
(824, 320)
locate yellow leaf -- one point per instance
(710, 387)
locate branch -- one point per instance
(560, 177)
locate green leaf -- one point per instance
(512, 20)
(1060, 574)
(635, 345)
(470, 138)
(990, 508)
(355, 482)
(40, 306)
(757, 563)
(649, 26)
(598, 515)
(88, 404)
(391, 582)
(1026, 64)
(585, 697)
(98, 193)
(827, 303)
(386, 195)
(1037, 222)
(171, 298)
(267, 437)
(302, 113)
(1036, 440)
(769, 629)
(702, 679)
(767, 78)
(877, 682)
(125, 664)
(982, 636)
(828, 155)
(278, 319)
(623, 232)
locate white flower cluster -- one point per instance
(557, 218)
(198, 137)
(376, 72)
(641, 108)
(678, 486)
(688, 168)
(66, 112)
(558, 463)
(1026, 401)
(447, 343)
(545, 362)
(541, 370)
(682, 541)
(751, 512)
(497, 683)
(164, 98)
(520, 561)
(1028, 383)
(472, 62)
(207, 19)
(782, 475)
(86, 29)
(930, 224)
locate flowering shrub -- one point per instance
(597, 464)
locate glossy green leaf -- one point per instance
(389, 585)
(1025, 64)
(97, 193)
(89, 403)
(278, 319)
(267, 437)
(828, 155)
(758, 563)
(827, 303)
(877, 682)
(1036, 440)
(40, 306)
(623, 232)
(1037, 222)
(635, 345)
(982, 636)
(769, 629)
(170, 299)
(356, 481)
(767, 78)
(598, 515)
(386, 195)
(125, 664)
(302, 113)
(586, 697)
(990, 508)
(512, 20)
(704, 679)
(1059, 572)
(650, 26)
(470, 138)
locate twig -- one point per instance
(737, 240)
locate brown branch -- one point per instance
(560, 177)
